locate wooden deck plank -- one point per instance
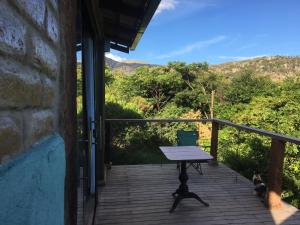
(141, 194)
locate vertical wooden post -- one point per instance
(67, 103)
(275, 174)
(108, 144)
(212, 104)
(214, 142)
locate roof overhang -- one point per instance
(125, 21)
(121, 23)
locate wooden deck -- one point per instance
(141, 194)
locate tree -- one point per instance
(109, 77)
(156, 84)
(193, 99)
(278, 113)
(245, 86)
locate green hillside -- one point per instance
(276, 67)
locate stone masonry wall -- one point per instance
(29, 73)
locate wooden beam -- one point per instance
(212, 100)
(119, 40)
(67, 104)
(121, 8)
(214, 142)
(119, 47)
(108, 146)
(275, 174)
(111, 28)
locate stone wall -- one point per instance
(30, 71)
(37, 112)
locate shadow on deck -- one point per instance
(141, 194)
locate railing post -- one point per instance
(108, 144)
(275, 174)
(214, 142)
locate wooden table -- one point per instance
(184, 154)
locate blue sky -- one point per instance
(218, 31)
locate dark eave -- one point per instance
(121, 23)
(122, 8)
(125, 21)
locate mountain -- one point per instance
(277, 67)
(126, 66)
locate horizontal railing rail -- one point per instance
(275, 170)
(246, 128)
(157, 120)
(258, 131)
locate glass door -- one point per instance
(87, 123)
(90, 110)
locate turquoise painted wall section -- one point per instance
(32, 185)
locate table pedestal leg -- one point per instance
(183, 190)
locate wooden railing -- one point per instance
(156, 120)
(275, 170)
(278, 141)
(109, 122)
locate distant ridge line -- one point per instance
(276, 67)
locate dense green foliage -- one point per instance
(246, 86)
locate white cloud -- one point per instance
(194, 46)
(166, 5)
(173, 10)
(239, 58)
(186, 6)
(114, 57)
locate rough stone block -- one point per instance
(52, 26)
(12, 32)
(10, 138)
(48, 93)
(19, 86)
(37, 125)
(35, 9)
(44, 56)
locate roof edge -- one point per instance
(152, 7)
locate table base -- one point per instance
(183, 190)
